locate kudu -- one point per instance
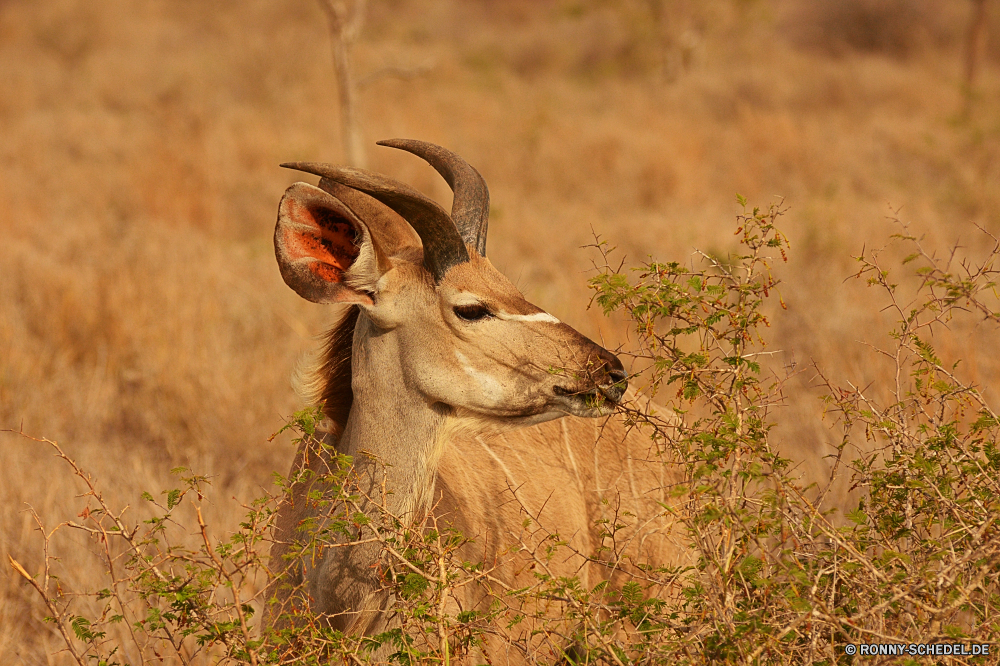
(475, 403)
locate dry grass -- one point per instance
(144, 324)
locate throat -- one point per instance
(397, 446)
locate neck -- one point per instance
(394, 435)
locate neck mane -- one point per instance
(329, 382)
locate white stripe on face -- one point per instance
(467, 298)
(538, 316)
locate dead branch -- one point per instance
(345, 20)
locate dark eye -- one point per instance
(473, 312)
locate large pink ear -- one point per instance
(317, 241)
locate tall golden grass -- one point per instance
(143, 323)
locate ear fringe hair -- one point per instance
(306, 380)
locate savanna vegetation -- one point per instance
(838, 437)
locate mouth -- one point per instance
(599, 401)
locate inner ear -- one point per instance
(317, 241)
(331, 241)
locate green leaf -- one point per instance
(413, 585)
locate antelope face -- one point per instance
(477, 345)
(437, 313)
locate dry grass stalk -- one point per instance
(975, 44)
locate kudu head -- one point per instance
(436, 315)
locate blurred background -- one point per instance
(143, 323)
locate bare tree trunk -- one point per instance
(346, 19)
(975, 41)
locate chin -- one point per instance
(587, 405)
(589, 412)
(479, 423)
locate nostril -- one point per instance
(617, 375)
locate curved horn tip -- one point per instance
(307, 167)
(470, 208)
(396, 143)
